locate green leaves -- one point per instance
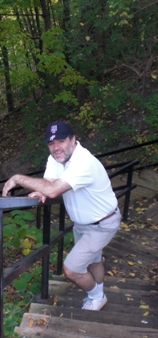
(18, 233)
(18, 297)
(21, 283)
(22, 215)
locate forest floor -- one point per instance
(13, 140)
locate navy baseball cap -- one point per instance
(57, 130)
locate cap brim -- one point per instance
(57, 137)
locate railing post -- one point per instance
(61, 242)
(128, 193)
(1, 273)
(38, 218)
(45, 259)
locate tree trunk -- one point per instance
(9, 95)
(66, 15)
(46, 15)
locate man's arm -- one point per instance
(41, 185)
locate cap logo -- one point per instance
(52, 138)
(53, 129)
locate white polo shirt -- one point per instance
(91, 197)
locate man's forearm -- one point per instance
(32, 183)
(49, 189)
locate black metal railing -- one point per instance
(8, 274)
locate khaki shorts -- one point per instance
(89, 242)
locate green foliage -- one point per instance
(104, 103)
(18, 233)
(80, 50)
(19, 296)
(151, 116)
(28, 284)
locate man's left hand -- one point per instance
(10, 184)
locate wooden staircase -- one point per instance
(131, 286)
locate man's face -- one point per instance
(62, 150)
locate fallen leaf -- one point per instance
(146, 313)
(55, 300)
(144, 306)
(110, 273)
(121, 280)
(130, 263)
(31, 321)
(114, 287)
(124, 225)
(42, 322)
(132, 274)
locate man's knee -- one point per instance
(69, 273)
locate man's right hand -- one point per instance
(42, 198)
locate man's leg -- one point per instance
(97, 271)
(95, 299)
(91, 281)
(84, 281)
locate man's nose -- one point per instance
(56, 146)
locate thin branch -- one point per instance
(141, 9)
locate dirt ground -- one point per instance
(13, 141)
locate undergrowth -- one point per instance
(21, 236)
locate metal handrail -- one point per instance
(12, 272)
(113, 152)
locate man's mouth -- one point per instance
(58, 154)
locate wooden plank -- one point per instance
(111, 280)
(135, 248)
(115, 297)
(149, 236)
(70, 290)
(128, 308)
(61, 327)
(118, 251)
(114, 318)
(117, 263)
(131, 284)
(139, 232)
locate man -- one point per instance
(90, 203)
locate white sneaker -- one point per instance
(94, 304)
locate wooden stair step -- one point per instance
(114, 288)
(131, 237)
(128, 308)
(130, 284)
(123, 307)
(45, 326)
(123, 246)
(113, 280)
(150, 212)
(114, 318)
(116, 293)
